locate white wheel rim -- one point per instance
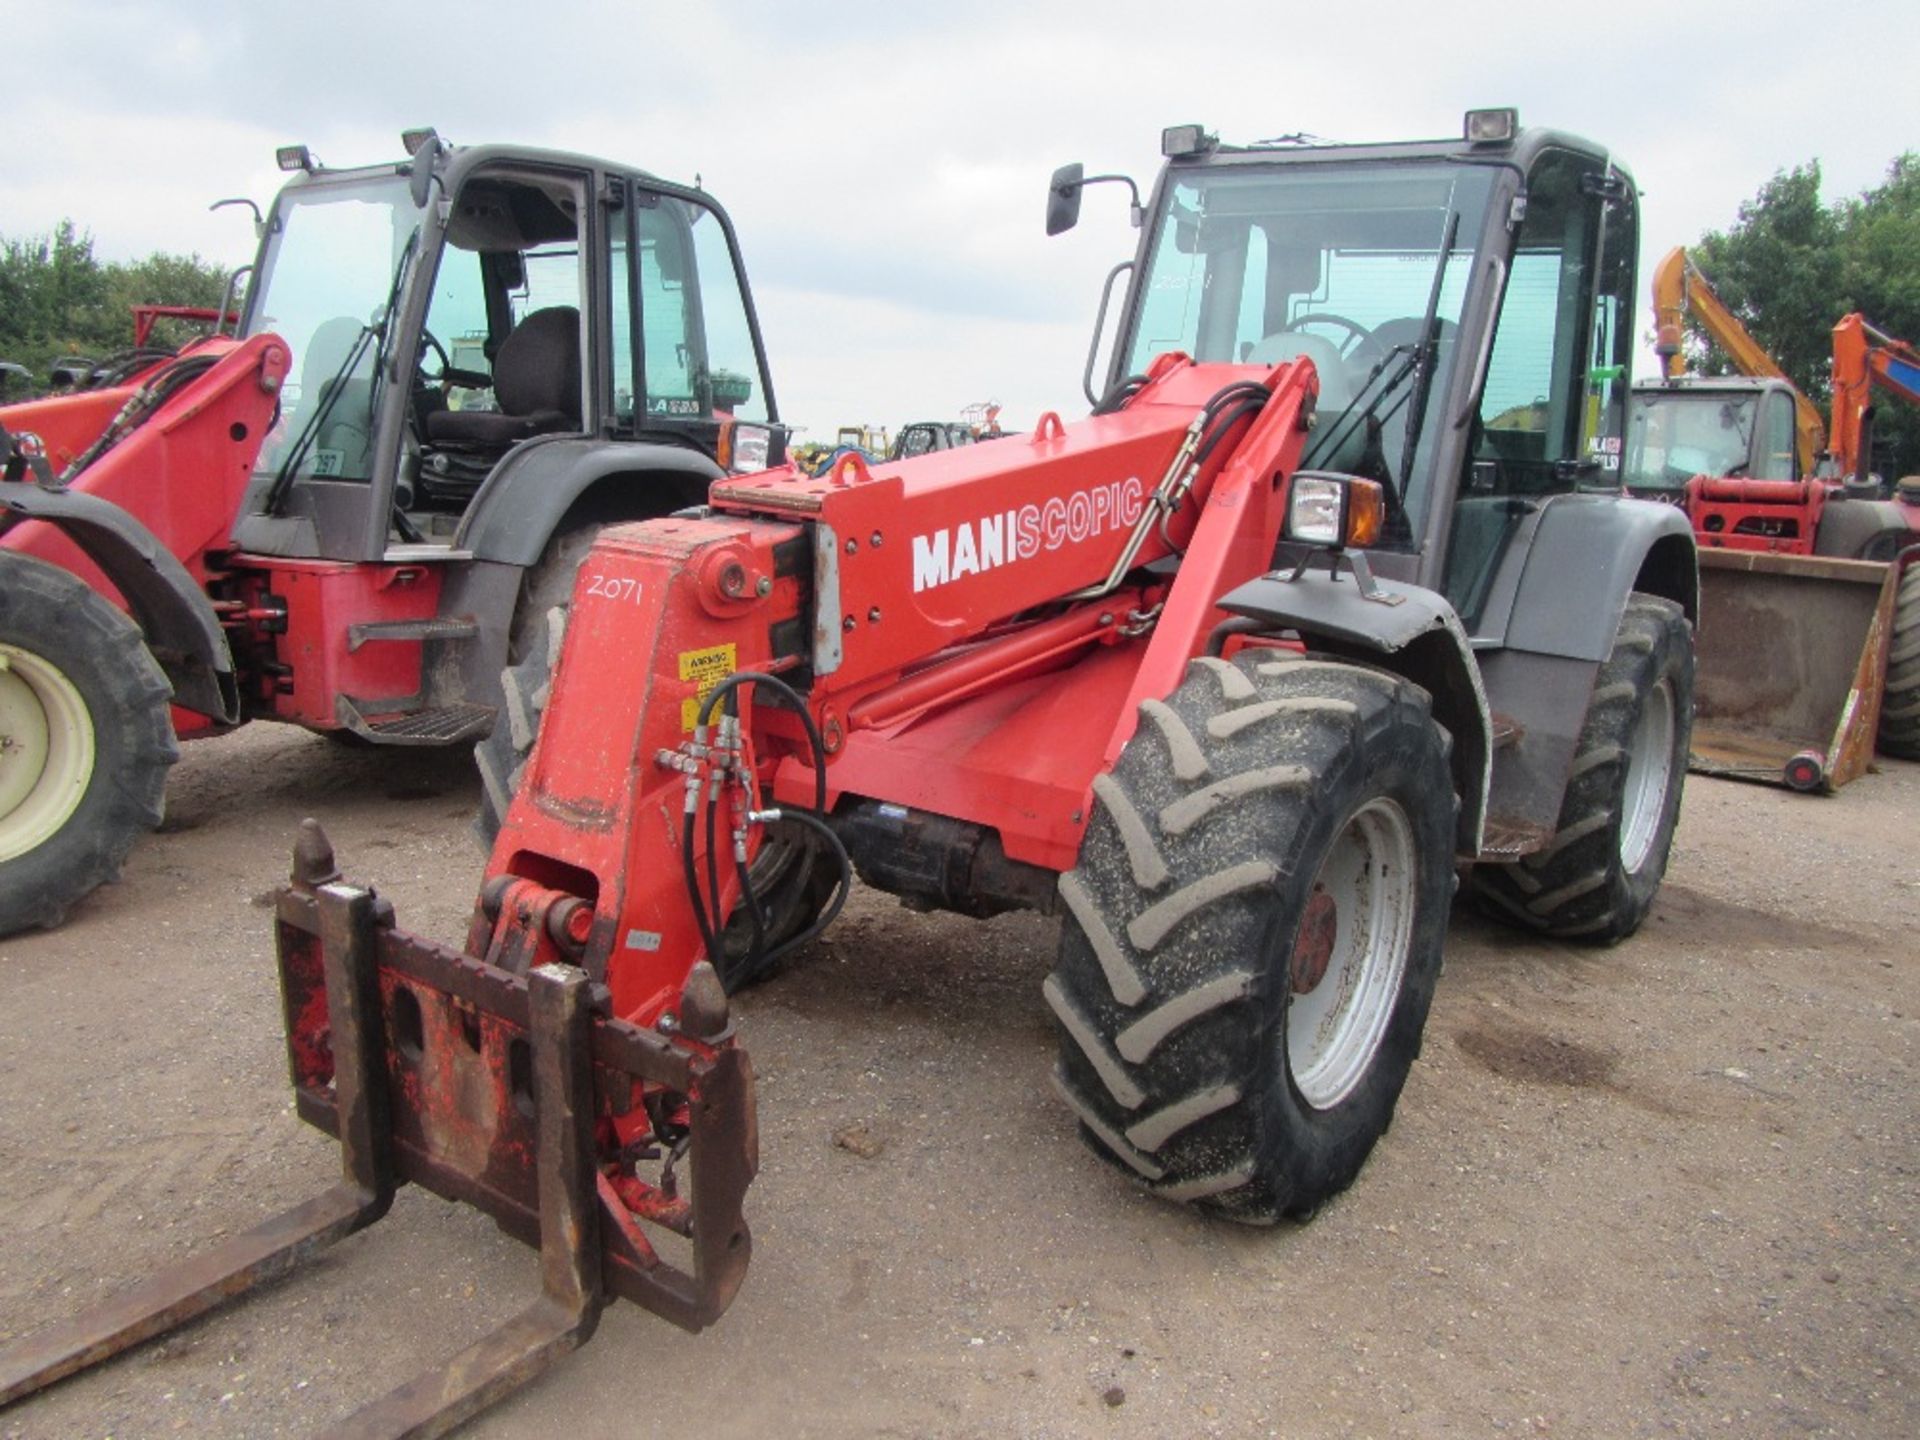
(46, 751)
(1350, 953)
(1649, 772)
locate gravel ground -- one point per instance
(1664, 1189)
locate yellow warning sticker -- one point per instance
(706, 669)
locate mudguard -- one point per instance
(1410, 631)
(1859, 529)
(524, 501)
(172, 610)
(1587, 554)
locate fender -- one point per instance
(1417, 637)
(172, 610)
(525, 499)
(1600, 548)
(1587, 554)
(1861, 529)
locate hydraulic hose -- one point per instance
(707, 906)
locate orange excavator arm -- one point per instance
(1679, 289)
(1864, 357)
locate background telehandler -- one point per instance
(326, 519)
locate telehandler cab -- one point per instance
(449, 373)
(1312, 610)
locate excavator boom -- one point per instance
(1679, 290)
(1863, 358)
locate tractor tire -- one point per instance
(533, 647)
(526, 686)
(1253, 932)
(1595, 880)
(1899, 734)
(548, 585)
(791, 874)
(86, 740)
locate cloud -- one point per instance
(885, 163)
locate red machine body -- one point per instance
(939, 688)
(1776, 517)
(68, 422)
(182, 472)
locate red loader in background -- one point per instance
(1810, 648)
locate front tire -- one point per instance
(85, 741)
(1254, 930)
(1596, 879)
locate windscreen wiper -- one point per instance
(374, 333)
(1409, 359)
(310, 428)
(386, 323)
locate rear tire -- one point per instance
(526, 686)
(549, 585)
(533, 648)
(86, 740)
(1253, 932)
(1596, 879)
(1900, 704)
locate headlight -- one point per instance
(1335, 511)
(751, 444)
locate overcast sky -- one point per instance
(886, 163)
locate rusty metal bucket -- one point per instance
(1791, 656)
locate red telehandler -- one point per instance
(1231, 675)
(1810, 641)
(450, 372)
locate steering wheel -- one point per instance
(428, 341)
(1359, 348)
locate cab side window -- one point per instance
(695, 345)
(1555, 390)
(1778, 458)
(1553, 406)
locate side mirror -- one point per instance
(420, 173)
(1063, 198)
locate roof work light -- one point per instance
(1178, 140)
(1492, 127)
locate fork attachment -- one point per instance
(511, 1093)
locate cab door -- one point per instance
(692, 366)
(1553, 401)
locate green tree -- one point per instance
(1790, 266)
(57, 299)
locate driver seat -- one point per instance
(536, 379)
(1336, 386)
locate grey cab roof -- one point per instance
(1527, 143)
(459, 160)
(1706, 384)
